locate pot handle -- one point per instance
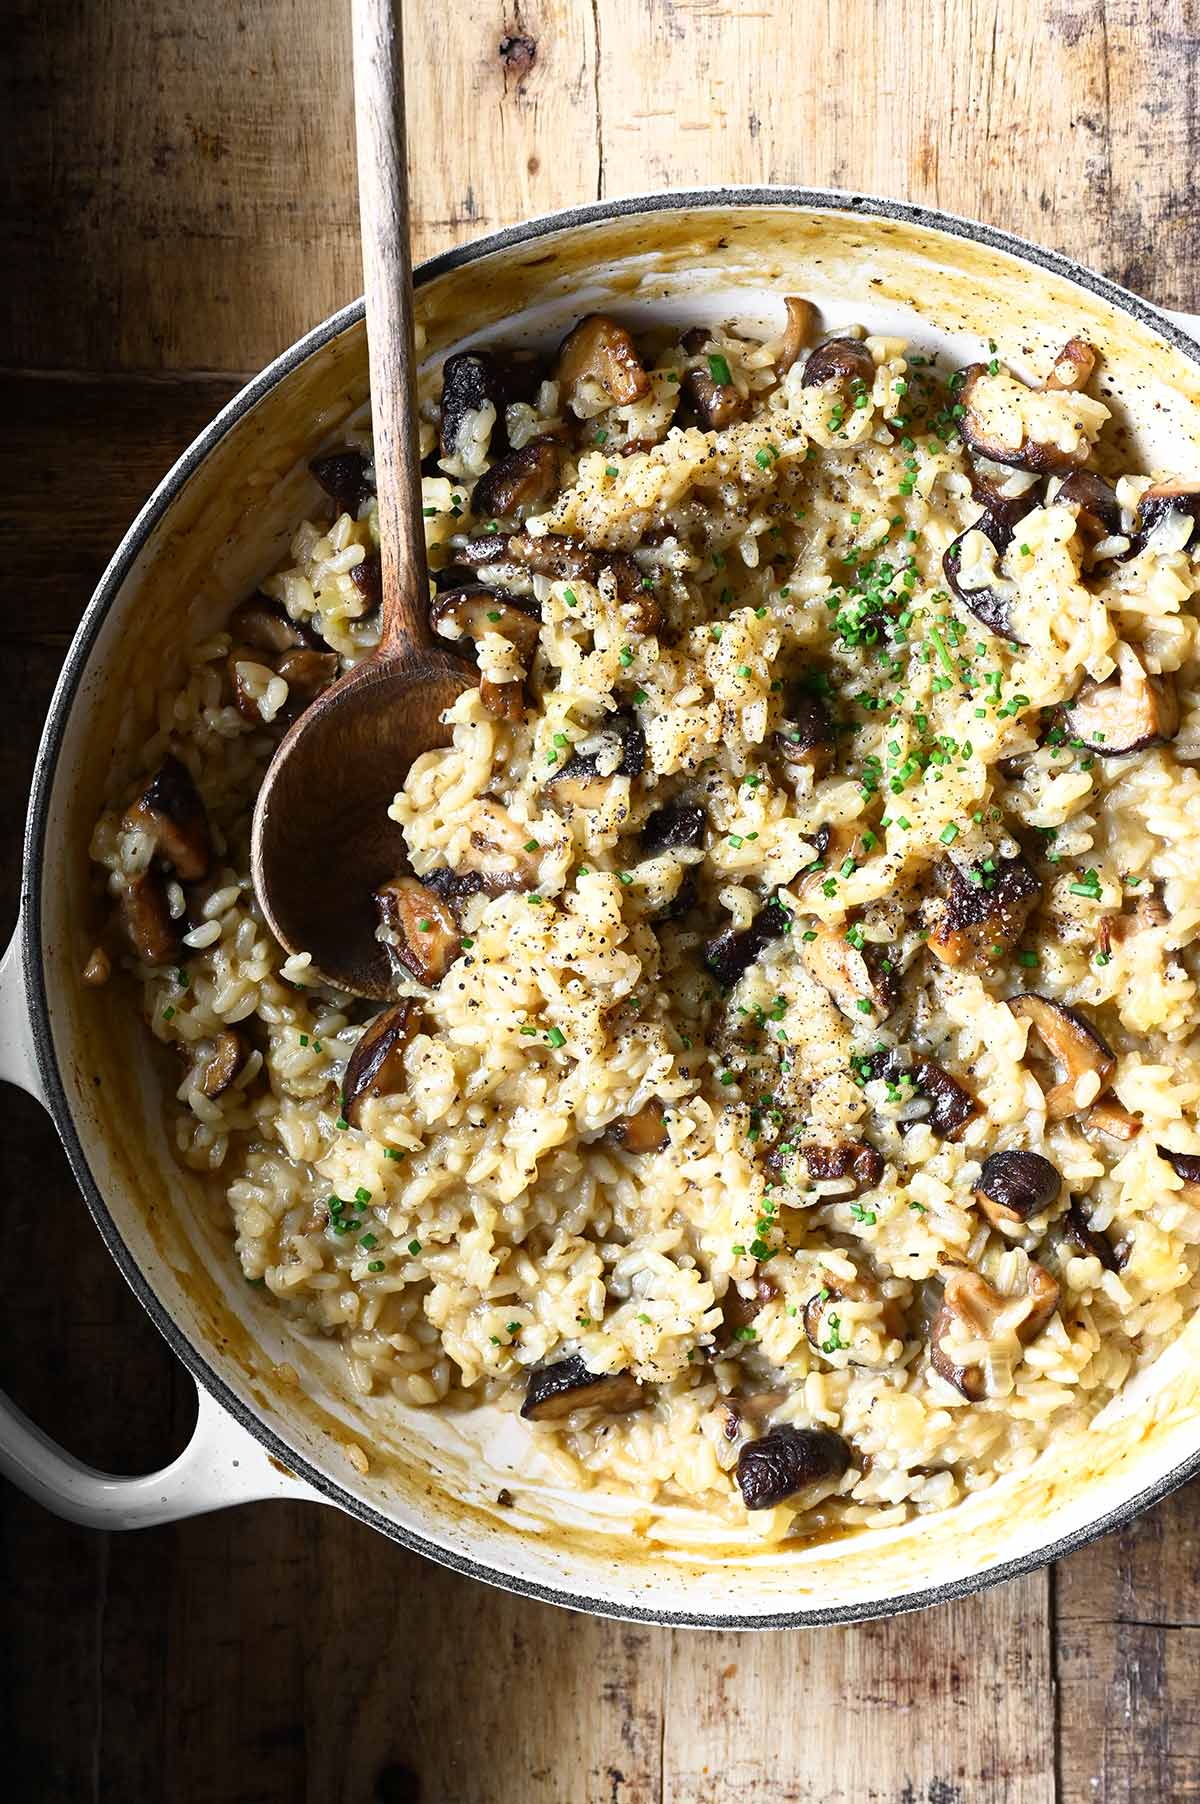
(222, 1464)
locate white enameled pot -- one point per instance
(219, 520)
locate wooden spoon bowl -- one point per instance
(322, 842)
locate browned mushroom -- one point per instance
(1029, 454)
(268, 627)
(841, 360)
(1073, 366)
(788, 1460)
(852, 974)
(145, 915)
(171, 811)
(423, 933)
(556, 1391)
(305, 671)
(1094, 504)
(496, 851)
(516, 484)
(971, 1304)
(376, 1066)
(343, 476)
(1077, 1236)
(808, 738)
(983, 591)
(983, 908)
(675, 825)
(857, 1160)
(558, 555)
(215, 1072)
(1168, 501)
(600, 351)
(617, 749)
(824, 1327)
(645, 1132)
(732, 952)
(951, 1106)
(469, 613)
(710, 388)
(1127, 711)
(1185, 1166)
(801, 324)
(1109, 1118)
(1015, 1185)
(367, 577)
(470, 383)
(1075, 1046)
(504, 701)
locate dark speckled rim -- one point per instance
(43, 781)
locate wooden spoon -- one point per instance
(322, 842)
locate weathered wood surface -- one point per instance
(177, 196)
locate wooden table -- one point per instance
(178, 204)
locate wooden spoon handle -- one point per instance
(387, 274)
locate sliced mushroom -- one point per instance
(306, 673)
(556, 1391)
(1077, 1236)
(1168, 501)
(1029, 454)
(674, 825)
(854, 1159)
(1127, 712)
(645, 1132)
(732, 953)
(839, 360)
(598, 350)
(618, 749)
(422, 931)
(1109, 1118)
(376, 1066)
(454, 887)
(504, 701)
(516, 484)
(786, 1461)
(972, 1304)
(1074, 1044)
(1073, 366)
(1015, 1185)
(496, 850)
(267, 626)
(471, 612)
(951, 1106)
(367, 577)
(808, 739)
(146, 918)
(170, 809)
(1185, 1166)
(853, 975)
(470, 383)
(1094, 504)
(215, 1072)
(972, 576)
(343, 476)
(801, 324)
(715, 399)
(983, 909)
(823, 1324)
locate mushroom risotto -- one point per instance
(789, 1100)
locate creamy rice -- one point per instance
(704, 1097)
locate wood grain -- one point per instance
(177, 195)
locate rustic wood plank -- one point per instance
(435, 1688)
(1128, 1619)
(950, 1707)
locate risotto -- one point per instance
(789, 1100)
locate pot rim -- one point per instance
(46, 764)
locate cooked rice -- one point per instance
(490, 1222)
